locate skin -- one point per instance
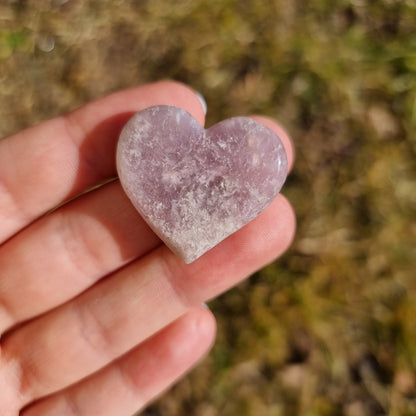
(97, 316)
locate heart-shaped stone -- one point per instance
(195, 187)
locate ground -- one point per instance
(329, 328)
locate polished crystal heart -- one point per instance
(195, 187)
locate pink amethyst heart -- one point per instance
(195, 187)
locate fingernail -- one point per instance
(202, 101)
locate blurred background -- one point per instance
(328, 329)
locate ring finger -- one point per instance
(137, 377)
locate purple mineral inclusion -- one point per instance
(195, 187)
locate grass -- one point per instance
(328, 329)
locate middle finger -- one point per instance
(88, 238)
(69, 251)
(121, 311)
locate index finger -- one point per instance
(47, 164)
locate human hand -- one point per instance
(98, 317)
